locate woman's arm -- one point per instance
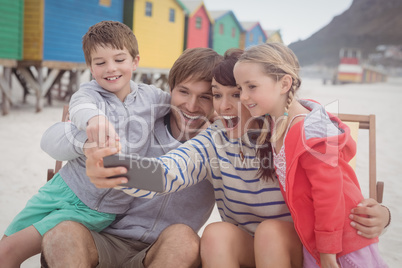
(184, 166)
(370, 218)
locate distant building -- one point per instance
(252, 35)
(198, 25)
(274, 36)
(226, 31)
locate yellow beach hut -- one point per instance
(159, 28)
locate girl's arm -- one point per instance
(322, 167)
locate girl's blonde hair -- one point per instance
(277, 61)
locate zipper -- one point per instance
(160, 212)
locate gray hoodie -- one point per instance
(139, 121)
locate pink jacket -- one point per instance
(321, 187)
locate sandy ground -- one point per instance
(23, 165)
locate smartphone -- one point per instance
(143, 173)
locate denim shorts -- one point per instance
(56, 202)
(367, 257)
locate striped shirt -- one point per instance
(242, 198)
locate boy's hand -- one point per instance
(328, 260)
(101, 133)
(98, 173)
(369, 218)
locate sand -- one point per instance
(23, 166)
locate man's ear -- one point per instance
(286, 83)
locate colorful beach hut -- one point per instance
(11, 25)
(274, 36)
(225, 32)
(198, 25)
(253, 34)
(11, 36)
(53, 31)
(159, 28)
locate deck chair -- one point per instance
(356, 122)
(50, 171)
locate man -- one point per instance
(153, 232)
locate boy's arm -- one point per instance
(63, 141)
(83, 106)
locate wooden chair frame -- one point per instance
(50, 171)
(376, 188)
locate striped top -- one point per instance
(241, 197)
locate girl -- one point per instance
(310, 152)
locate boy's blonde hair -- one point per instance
(112, 34)
(196, 64)
(277, 60)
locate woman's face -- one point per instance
(235, 117)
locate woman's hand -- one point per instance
(369, 218)
(98, 173)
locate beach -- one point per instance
(24, 165)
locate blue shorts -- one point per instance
(367, 257)
(54, 203)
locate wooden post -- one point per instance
(6, 90)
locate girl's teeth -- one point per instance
(112, 78)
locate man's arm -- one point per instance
(376, 218)
(63, 141)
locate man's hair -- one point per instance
(112, 34)
(195, 64)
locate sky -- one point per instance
(297, 19)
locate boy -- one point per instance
(111, 52)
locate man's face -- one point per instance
(191, 108)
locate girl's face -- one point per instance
(260, 94)
(235, 117)
(112, 69)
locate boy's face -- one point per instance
(112, 69)
(191, 108)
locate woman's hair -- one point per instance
(109, 33)
(223, 72)
(277, 61)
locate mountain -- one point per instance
(365, 25)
